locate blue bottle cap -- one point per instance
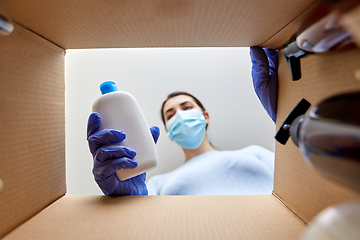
(107, 87)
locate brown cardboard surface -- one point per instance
(163, 217)
(155, 23)
(278, 40)
(32, 117)
(323, 75)
(351, 21)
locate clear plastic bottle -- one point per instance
(120, 111)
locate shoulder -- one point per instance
(257, 149)
(160, 179)
(155, 183)
(157, 178)
(251, 151)
(243, 151)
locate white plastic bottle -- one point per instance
(120, 111)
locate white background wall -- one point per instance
(219, 77)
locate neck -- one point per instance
(204, 147)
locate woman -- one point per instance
(205, 171)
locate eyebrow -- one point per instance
(181, 104)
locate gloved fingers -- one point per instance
(264, 75)
(139, 186)
(259, 58)
(271, 52)
(103, 137)
(105, 170)
(260, 66)
(132, 186)
(108, 185)
(155, 132)
(94, 122)
(273, 60)
(143, 177)
(105, 153)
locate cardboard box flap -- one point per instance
(157, 23)
(278, 40)
(32, 119)
(303, 189)
(163, 217)
(351, 21)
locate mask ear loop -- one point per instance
(206, 126)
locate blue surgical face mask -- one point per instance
(187, 128)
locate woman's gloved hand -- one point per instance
(265, 77)
(109, 158)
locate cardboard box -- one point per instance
(34, 203)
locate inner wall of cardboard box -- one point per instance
(237, 118)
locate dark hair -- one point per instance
(174, 94)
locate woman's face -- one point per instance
(180, 102)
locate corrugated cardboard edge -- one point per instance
(115, 24)
(33, 126)
(284, 204)
(245, 217)
(277, 40)
(351, 21)
(28, 29)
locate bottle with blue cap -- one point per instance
(120, 111)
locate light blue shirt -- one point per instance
(248, 171)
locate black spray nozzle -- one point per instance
(283, 133)
(292, 54)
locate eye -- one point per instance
(169, 116)
(188, 107)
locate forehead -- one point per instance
(176, 101)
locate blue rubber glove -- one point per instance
(109, 158)
(265, 77)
